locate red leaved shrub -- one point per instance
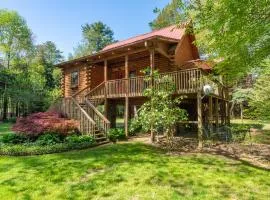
(42, 122)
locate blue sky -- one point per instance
(60, 20)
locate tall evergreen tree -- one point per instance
(171, 14)
(95, 37)
(48, 55)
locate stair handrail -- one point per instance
(94, 89)
(102, 122)
(83, 111)
(73, 110)
(97, 111)
(80, 94)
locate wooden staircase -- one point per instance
(82, 106)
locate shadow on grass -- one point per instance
(99, 171)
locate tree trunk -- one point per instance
(231, 109)
(152, 139)
(5, 104)
(241, 112)
(17, 109)
(5, 97)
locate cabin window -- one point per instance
(74, 79)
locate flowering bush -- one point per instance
(44, 122)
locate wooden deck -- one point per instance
(186, 82)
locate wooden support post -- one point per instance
(126, 66)
(228, 113)
(106, 106)
(152, 66)
(105, 70)
(126, 115)
(223, 112)
(210, 114)
(216, 113)
(112, 113)
(152, 60)
(126, 97)
(200, 123)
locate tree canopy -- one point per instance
(95, 37)
(15, 36)
(259, 98)
(27, 70)
(237, 33)
(171, 14)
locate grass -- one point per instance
(5, 128)
(263, 135)
(130, 171)
(264, 123)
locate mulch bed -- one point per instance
(254, 154)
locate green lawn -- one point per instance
(265, 123)
(263, 135)
(5, 128)
(130, 171)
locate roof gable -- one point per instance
(171, 32)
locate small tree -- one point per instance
(259, 98)
(161, 111)
(240, 96)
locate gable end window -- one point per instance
(74, 79)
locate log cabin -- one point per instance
(113, 76)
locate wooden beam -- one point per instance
(105, 70)
(126, 97)
(152, 60)
(119, 55)
(216, 113)
(126, 66)
(199, 115)
(126, 115)
(210, 114)
(106, 103)
(227, 107)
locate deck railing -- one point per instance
(186, 81)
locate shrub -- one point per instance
(10, 120)
(135, 127)
(79, 139)
(49, 139)
(34, 149)
(11, 138)
(40, 123)
(115, 134)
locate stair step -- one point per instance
(101, 138)
(100, 134)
